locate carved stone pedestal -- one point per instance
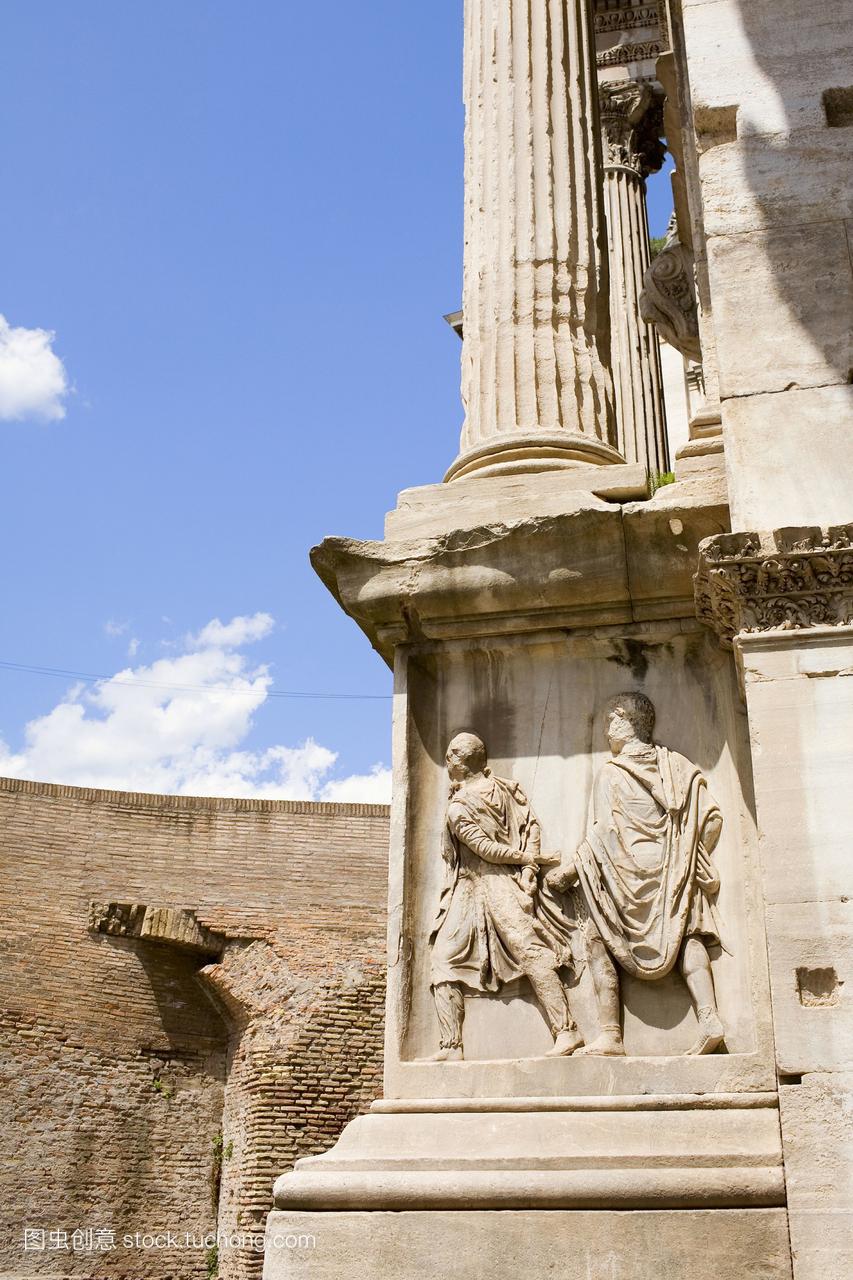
(531, 628)
(528, 1189)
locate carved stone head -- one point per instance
(466, 756)
(629, 717)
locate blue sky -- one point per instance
(242, 222)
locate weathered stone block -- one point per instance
(789, 460)
(817, 1121)
(692, 1245)
(802, 774)
(431, 510)
(748, 185)
(822, 1243)
(811, 974)
(167, 926)
(524, 1156)
(773, 61)
(660, 549)
(782, 306)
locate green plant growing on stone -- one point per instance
(212, 1258)
(221, 1151)
(161, 1088)
(656, 244)
(658, 479)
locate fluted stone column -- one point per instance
(631, 118)
(535, 381)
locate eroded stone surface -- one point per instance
(811, 968)
(817, 1119)
(167, 926)
(574, 1245)
(794, 330)
(805, 476)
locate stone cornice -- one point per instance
(790, 579)
(579, 563)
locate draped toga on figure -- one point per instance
(645, 866)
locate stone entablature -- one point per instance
(628, 33)
(789, 579)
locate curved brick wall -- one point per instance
(148, 1089)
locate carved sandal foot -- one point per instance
(565, 1043)
(451, 1054)
(711, 1034)
(607, 1045)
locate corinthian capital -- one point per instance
(631, 125)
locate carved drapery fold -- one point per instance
(789, 579)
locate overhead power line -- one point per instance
(91, 678)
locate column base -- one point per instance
(522, 452)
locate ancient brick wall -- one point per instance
(150, 1090)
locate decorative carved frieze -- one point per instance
(631, 127)
(668, 300)
(616, 17)
(787, 580)
(621, 54)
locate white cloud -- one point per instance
(178, 726)
(237, 632)
(115, 629)
(33, 381)
(132, 647)
(361, 788)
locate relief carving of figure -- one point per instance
(497, 922)
(646, 873)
